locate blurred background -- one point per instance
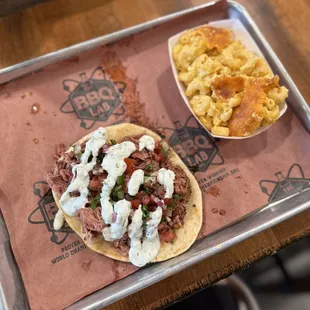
(10, 6)
(278, 282)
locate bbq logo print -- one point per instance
(195, 147)
(283, 187)
(45, 212)
(94, 99)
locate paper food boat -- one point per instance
(239, 33)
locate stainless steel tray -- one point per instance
(12, 294)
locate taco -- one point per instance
(127, 194)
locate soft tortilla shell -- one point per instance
(186, 235)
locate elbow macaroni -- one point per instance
(197, 86)
(200, 104)
(278, 94)
(199, 64)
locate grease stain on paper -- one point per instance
(86, 265)
(214, 191)
(35, 108)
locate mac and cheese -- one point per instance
(231, 90)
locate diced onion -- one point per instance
(159, 202)
(114, 215)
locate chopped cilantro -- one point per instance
(165, 152)
(95, 202)
(113, 142)
(175, 197)
(120, 180)
(194, 205)
(145, 215)
(90, 158)
(100, 158)
(118, 193)
(149, 167)
(144, 210)
(145, 188)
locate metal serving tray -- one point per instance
(12, 294)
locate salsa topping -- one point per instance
(128, 192)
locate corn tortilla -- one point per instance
(186, 235)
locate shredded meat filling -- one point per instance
(123, 244)
(174, 209)
(182, 184)
(91, 220)
(61, 175)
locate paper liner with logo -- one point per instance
(236, 176)
(186, 235)
(240, 33)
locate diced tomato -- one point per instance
(156, 157)
(130, 163)
(162, 156)
(168, 201)
(140, 195)
(167, 236)
(135, 203)
(95, 183)
(152, 208)
(157, 149)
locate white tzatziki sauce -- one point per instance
(146, 142)
(114, 164)
(71, 205)
(59, 220)
(136, 180)
(80, 181)
(141, 253)
(166, 177)
(122, 208)
(94, 144)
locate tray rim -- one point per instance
(8, 73)
(301, 109)
(120, 289)
(102, 295)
